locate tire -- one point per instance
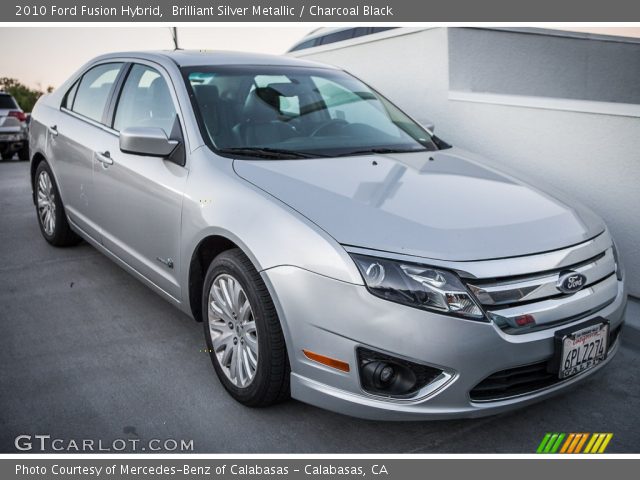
(270, 381)
(23, 153)
(54, 228)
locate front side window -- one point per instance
(308, 111)
(94, 89)
(145, 101)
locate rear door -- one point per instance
(74, 137)
(139, 198)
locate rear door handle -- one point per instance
(104, 158)
(53, 130)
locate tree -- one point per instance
(25, 96)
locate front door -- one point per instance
(139, 198)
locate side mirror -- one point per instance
(151, 141)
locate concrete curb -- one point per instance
(631, 335)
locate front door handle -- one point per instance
(53, 130)
(104, 158)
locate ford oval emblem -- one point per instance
(571, 282)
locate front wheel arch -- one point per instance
(208, 249)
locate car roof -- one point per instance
(191, 58)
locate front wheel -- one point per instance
(243, 332)
(51, 215)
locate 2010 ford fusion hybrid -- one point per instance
(335, 250)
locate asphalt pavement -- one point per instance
(88, 352)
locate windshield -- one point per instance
(305, 112)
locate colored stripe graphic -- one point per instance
(551, 443)
(567, 443)
(598, 442)
(543, 443)
(556, 445)
(605, 443)
(554, 442)
(582, 442)
(592, 440)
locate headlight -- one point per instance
(417, 286)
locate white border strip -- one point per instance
(548, 103)
(346, 23)
(453, 95)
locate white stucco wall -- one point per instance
(592, 157)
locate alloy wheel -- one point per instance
(233, 330)
(46, 203)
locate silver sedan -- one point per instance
(335, 250)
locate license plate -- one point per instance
(9, 138)
(583, 349)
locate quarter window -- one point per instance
(70, 96)
(145, 101)
(94, 89)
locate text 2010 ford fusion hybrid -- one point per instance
(335, 250)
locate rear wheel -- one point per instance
(51, 215)
(243, 332)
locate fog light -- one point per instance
(388, 376)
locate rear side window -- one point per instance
(93, 90)
(7, 101)
(145, 101)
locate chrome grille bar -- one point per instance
(538, 287)
(556, 310)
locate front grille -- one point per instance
(525, 303)
(521, 380)
(523, 289)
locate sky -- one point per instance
(46, 56)
(41, 57)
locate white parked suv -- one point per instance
(13, 129)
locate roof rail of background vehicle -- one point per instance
(193, 58)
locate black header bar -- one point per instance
(369, 11)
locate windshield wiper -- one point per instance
(265, 152)
(382, 150)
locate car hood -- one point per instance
(442, 205)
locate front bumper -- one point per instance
(334, 318)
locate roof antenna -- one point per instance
(174, 34)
